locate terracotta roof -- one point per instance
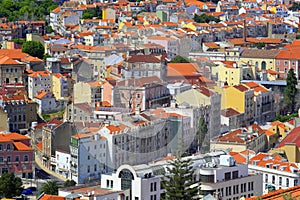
(183, 69)
(229, 112)
(241, 88)
(292, 138)
(260, 53)
(8, 137)
(40, 73)
(278, 194)
(42, 94)
(51, 197)
(22, 147)
(143, 58)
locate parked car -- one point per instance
(27, 192)
(31, 188)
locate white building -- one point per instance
(88, 155)
(276, 171)
(39, 81)
(220, 177)
(47, 103)
(62, 160)
(177, 88)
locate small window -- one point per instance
(25, 158)
(17, 158)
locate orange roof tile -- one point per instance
(22, 147)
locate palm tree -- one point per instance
(50, 188)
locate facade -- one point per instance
(20, 112)
(16, 155)
(88, 151)
(222, 179)
(264, 102)
(141, 93)
(47, 102)
(88, 92)
(54, 137)
(245, 104)
(39, 81)
(231, 118)
(63, 163)
(138, 66)
(170, 44)
(11, 70)
(62, 87)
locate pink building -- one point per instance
(141, 93)
(170, 44)
(286, 60)
(16, 155)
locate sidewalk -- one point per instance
(38, 162)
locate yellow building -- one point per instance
(62, 87)
(259, 59)
(229, 72)
(109, 13)
(289, 147)
(240, 98)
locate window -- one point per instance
(280, 180)
(235, 174)
(95, 167)
(151, 187)
(285, 62)
(273, 179)
(0, 147)
(154, 186)
(88, 169)
(8, 159)
(227, 176)
(8, 147)
(111, 183)
(1, 159)
(17, 158)
(88, 157)
(25, 158)
(287, 182)
(107, 183)
(295, 182)
(138, 96)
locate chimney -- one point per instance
(245, 31)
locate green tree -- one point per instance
(10, 186)
(290, 91)
(92, 12)
(204, 18)
(260, 45)
(179, 180)
(179, 59)
(33, 48)
(69, 183)
(50, 187)
(201, 133)
(49, 29)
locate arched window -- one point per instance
(263, 65)
(126, 179)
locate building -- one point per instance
(231, 118)
(277, 172)
(47, 102)
(138, 66)
(54, 137)
(17, 112)
(141, 93)
(63, 163)
(39, 81)
(170, 44)
(289, 147)
(16, 155)
(62, 86)
(246, 103)
(88, 151)
(209, 102)
(94, 191)
(88, 92)
(222, 177)
(11, 70)
(264, 102)
(252, 137)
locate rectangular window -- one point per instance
(154, 186)
(295, 182)
(227, 176)
(151, 187)
(287, 182)
(107, 183)
(17, 158)
(1, 159)
(235, 174)
(273, 179)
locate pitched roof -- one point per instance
(51, 197)
(229, 112)
(183, 69)
(8, 137)
(143, 58)
(22, 147)
(292, 138)
(260, 53)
